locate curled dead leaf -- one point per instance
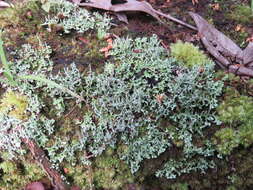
(130, 6)
(137, 50)
(84, 40)
(215, 6)
(66, 170)
(195, 2)
(223, 49)
(106, 49)
(160, 98)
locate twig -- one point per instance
(43, 161)
(175, 20)
(70, 111)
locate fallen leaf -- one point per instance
(66, 170)
(250, 39)
(129, 6)
(109, 41)
(226, 52)
(75, 188)
(84, 40)
(159, 98)
(195, 2)
(215, 6)
(238, 28)
(105, 4)
(137, 50)
(106, 49)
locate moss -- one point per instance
(30, 13)
(77, 175)
(27, 13)
(241, 14)
(179, 186)
(246, 134)
(110, 172)
(15, 104)
(8, 17)
(231, 188)
(227, 140)
(236, 109)
(187, 53)
(235, 84)
(236, 112)
(15, 175)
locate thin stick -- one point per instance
(41, 158)
(175, 20)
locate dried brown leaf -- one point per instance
(131, 5)
(227, 53)
(218, 39)
(105, 4)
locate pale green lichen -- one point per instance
(69, 16)
(125, 105)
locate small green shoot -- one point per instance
(10, 77)
(7, 73)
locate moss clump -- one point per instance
(110, 172)
(236, 109)
(187, 53)
(241, 14)
(14, 104)
(8, 16)
(77, 175)
(236, 112)
(228, 140)
(15, 175)
(179, 186)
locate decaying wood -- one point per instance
(130, 6)
(228, 55)
(44, 162)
